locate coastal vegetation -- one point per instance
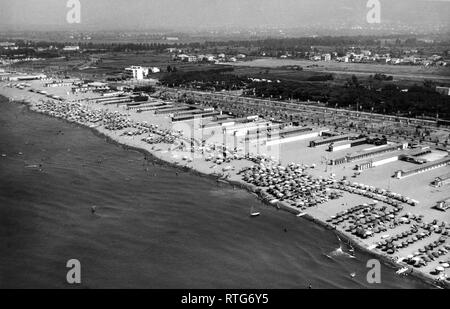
(376, 95)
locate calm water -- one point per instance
(152, 228)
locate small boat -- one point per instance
(353, 275)
(254, 213)
(301, 214)
(402, 270)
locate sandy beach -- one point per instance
(307, 161)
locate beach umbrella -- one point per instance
(440, 269)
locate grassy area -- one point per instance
(111, 64)
(342, 71)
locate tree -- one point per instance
(429, 84)
(355, 81)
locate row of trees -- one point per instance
(417, 101)
(214, 79)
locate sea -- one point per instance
(154, 226)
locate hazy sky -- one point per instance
(142, 14)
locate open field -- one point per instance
(399, 72)
(110, 64)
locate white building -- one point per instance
(71, 48)
(7, 44)
(443, 90)
(136, 72)
(173, 50)
(154, 69)
(187, 58)
(326, 57)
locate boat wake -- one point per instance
(340, 251)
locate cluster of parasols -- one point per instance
(166, 137)
(220, 154)
(366, 220)
(76, 112)
(73, 112)
(378, 194)
(113, 121)
(402, 240)
(429, 253)
(291, 183)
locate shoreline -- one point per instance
(252, 189)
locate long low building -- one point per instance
(139, 105)
(120, 100)
(378, 161)
(271, 127)
(242, 129)
(423, 168)
(219, 122)
(368, 154)
(179, 110)
(225, 120)
(19, 77)
(441, 180)
(330, 140)
(293, 138)
(264, 133)
(346, 144)
(415, 156)
(195, 116)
